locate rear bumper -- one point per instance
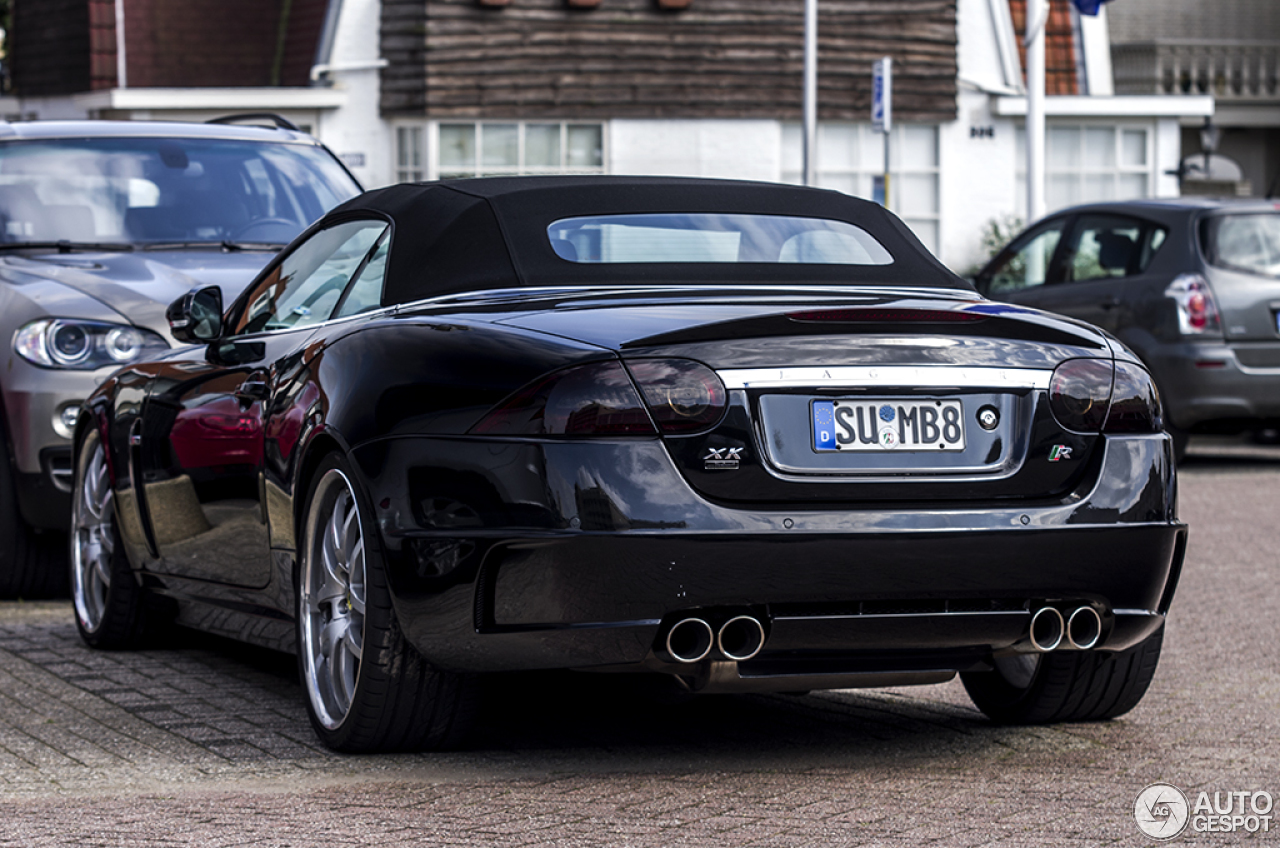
(1204, 382)
(491, 570)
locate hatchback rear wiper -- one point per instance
(224, 244)
(65, 246)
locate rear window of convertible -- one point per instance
(714, 237)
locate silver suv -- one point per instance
(102, 224)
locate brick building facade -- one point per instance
(70, 46)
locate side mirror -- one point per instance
(196, 317)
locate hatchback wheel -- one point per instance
(367, 688)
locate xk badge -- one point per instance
(722, 459)
(1059, 452)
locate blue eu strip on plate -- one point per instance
(824, 425)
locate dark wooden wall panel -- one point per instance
(48, 47)
(627, 58)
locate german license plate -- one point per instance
(869, 424)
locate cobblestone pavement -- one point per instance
(206, 742)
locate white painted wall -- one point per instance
(41, 108)
(1095, 42)
(977, 178)
(986, 53)
(357, 130)
(1168, 152)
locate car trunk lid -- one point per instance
(919, 364)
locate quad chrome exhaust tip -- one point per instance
(1068, 628)
(1047, 629)
(1084, 628)
(741, 638)
(689, 640)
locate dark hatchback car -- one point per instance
(102, 225)
(1191, 285)
(726, 437)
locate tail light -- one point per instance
(1079, 393)
(683, 396)
(1099, 396)
(586, 400)
(1135, 403)
(1197, 310)
(600, 399)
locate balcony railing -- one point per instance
(1229, 70)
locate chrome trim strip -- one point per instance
(905, 376)
(757, 292)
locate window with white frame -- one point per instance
(851, 155)
(1087, 163)
(486, 149)
(409, 155)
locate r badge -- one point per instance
(722, 459)
(1059, 452)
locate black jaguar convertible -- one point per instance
(736, 437)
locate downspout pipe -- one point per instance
(324, 47)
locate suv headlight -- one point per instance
(84, 345)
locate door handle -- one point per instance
(1111, 303)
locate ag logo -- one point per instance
(1161, 811)
(722, 459)
(1059, 452)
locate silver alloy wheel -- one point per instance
(92, 535)
(331, 599)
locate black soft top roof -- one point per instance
(466, 235)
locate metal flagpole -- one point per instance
(810, 91)
(1037, 17)
(122, 67)
(882, 116)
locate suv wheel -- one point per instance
(32, 563)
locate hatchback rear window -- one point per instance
(714, 238)
(1249, 243)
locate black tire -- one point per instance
(387, 698)
(1066, 685)
(110, 609)
(32, 563)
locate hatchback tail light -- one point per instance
(600, 399)
(1197, 310)
(1098, 396)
